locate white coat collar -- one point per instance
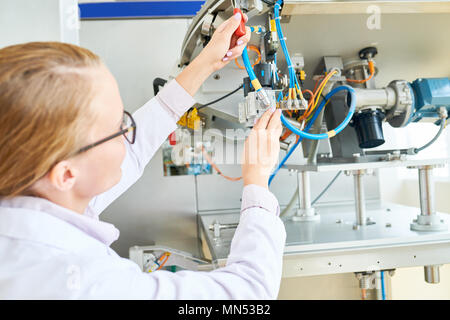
(90, 226)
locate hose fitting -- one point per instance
(263, 97)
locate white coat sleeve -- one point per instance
(253, 269)
(154, 122)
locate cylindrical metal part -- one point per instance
(432, 274)
(426, 190)
(364, 282)
(304, 191)
(314, 147)
(384, 98)
(305, 212)
(284, 146)
(360, 206)
(368, 126)
(263, 72)
(378, 287)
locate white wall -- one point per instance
(42, 20)
(28, 20)
(136, 52)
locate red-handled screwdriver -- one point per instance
(240, 31)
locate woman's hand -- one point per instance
(223, 47)
(261, 149)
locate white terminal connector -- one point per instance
(255, 104)
(263, 98)
(293, 104)
(304, 104)
(443, 114)
(289, 104)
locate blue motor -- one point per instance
(430, 94)
(399, 104)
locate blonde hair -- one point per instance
(45, 93)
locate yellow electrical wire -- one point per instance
(319, 90)
(310, 117)
(299, 92)
(322, 87)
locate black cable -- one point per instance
(158, 82)
(221, 98)
(441, 128)
(269, 3)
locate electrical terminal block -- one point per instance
(253, 107)
(304, 104)
(183, 120)
(191, 120)
(302, 75)
(289, 104)
(263, 98)
(293, 104)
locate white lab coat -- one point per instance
(49, 252)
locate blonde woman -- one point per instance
(68, 149)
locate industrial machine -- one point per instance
(335, 109)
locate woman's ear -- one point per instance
(62, 176)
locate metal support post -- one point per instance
(305, 212)
(431, 274)
(428, 220)
(360, 205)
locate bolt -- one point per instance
(388, 225)
(216, 77)
(339, 221)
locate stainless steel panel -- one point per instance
(335, 166)
(156, 209)
(304, 7)
(407, 49)
(333, 246)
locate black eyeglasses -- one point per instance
(127, 129)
